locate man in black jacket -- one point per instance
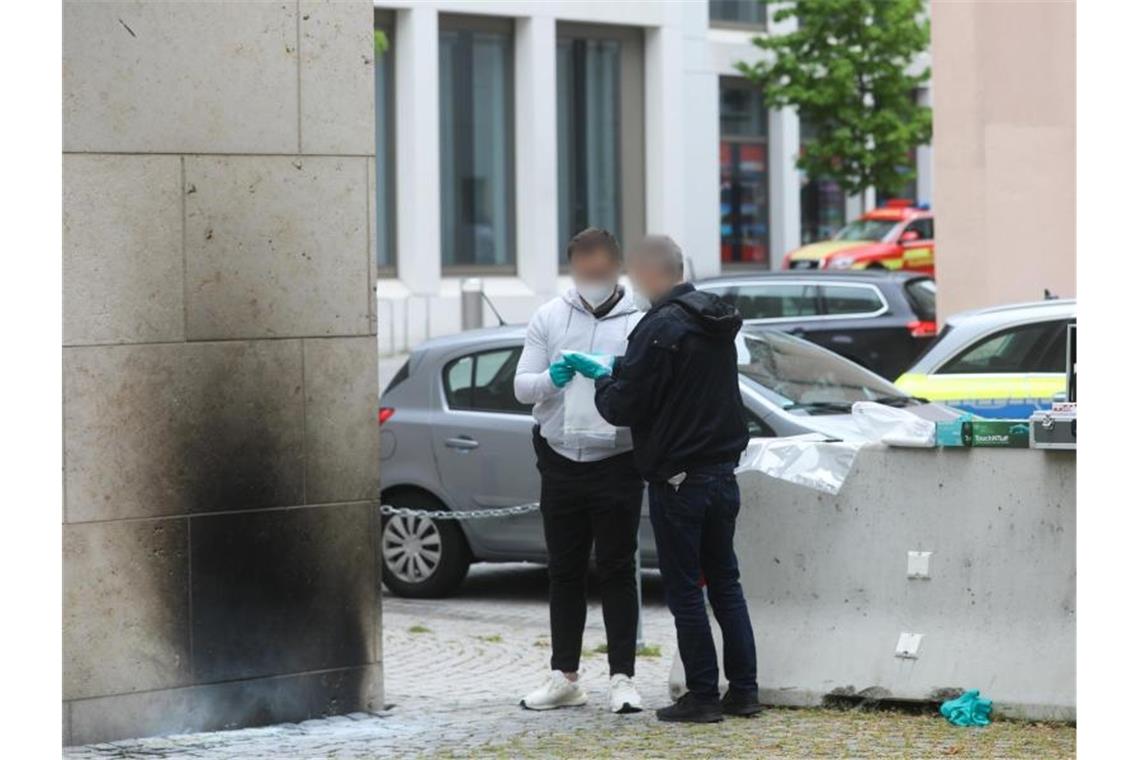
(677, 389)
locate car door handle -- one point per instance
(463, 442)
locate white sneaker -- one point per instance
(558, 691)
(623, 694)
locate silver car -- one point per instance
(453, 437)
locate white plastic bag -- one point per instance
(892, 426)
(582, 425)
(808, 460)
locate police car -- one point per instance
(1007, 361)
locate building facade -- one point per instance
(1006, 164)
(505, 126)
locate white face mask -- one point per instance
(640, 301)
(595, 293)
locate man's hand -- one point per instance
(561, 372)
(588, 365)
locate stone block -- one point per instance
(276, 247)
(237, 704)
(342, 438)
(122, 249)
(126, 616)
(283, 591)
(180, 77)
(168, 429)
(337, 69)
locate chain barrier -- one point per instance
(473, 514)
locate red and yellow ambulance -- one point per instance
(898, 235)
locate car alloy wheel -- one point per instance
(412, 547)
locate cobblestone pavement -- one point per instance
(455, 670)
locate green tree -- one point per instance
(844, 69)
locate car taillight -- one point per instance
(385, 414)
(922, 328)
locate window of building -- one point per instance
(823, 205)
(384, 66)
(600, 128)
(476, 139)
(851, 299)
(484, 382)
(750, 14)
(743, 174)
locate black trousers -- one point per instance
(588, 504)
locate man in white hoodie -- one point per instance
(591, 493)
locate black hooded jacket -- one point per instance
(676, 388)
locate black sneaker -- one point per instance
(737, 703)
(689, 709)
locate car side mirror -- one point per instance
(909, 236)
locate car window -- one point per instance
(1018, 349)
(866, 229)
(851, 299)
(924, 228)
(773, 301)
(484, 382)
(922, 292)
(757, 427)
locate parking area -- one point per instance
(456, 668)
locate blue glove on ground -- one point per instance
(970, 709)
(592, 366)
(561, 372)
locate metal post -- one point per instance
(471, 303)
(637, 572)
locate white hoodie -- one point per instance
(565, 323)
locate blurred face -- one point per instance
(595, 272)
(650, 278)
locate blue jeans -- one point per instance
(694, 526)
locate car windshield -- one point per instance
(801, 377)
(866, 229)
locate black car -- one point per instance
(881, 320)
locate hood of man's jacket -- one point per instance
(713, 313)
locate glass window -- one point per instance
(484, 382)
(851, 299)
(1018, 349)
(866, 229)
(743, 174)
(924, 228)
(599, 112)
(476, 139)
(775, 301)
(823, 205)
(922, 294)
(750, 13)
(800, 376)
(384, 58)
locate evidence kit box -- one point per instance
(983, 433)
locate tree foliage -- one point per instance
(845, 70)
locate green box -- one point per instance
(983, 433)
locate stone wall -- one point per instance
(220, 392)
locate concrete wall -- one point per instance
(1005, 169)
(221, 449)
(827, 579)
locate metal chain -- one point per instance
(473, 514)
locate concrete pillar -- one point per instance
(219, 361)
(783, 183)
(417, 149)
(924, 158)
(665, 131)
(536, 154)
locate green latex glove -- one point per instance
(592, 366)
(970, 709)
(561, 372)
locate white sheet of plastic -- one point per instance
(810, 460)
(892, 426)
(582, 424)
